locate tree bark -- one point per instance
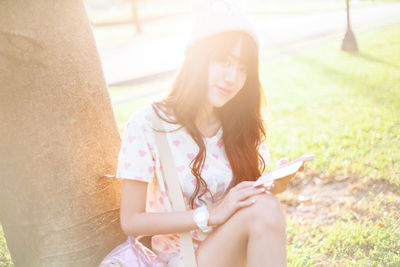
(135, 16)
(58, 132)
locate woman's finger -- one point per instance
(245, 193)
(245, 203)
(270, 187)
(282, 161)
(243, 184)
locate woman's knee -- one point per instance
(267, 213)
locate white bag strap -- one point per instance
(174, 188)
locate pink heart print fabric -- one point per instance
(139, 160)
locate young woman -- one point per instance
(215, 130)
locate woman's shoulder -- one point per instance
(140, 119)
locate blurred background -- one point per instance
(337, 98)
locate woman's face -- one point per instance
(226, 77)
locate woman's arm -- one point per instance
(136, 221)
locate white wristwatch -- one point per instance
(200, 217)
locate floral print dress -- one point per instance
(139, 160)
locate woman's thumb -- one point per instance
(282, 161)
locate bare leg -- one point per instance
(226, 245)
(267, 240)
(246, 237)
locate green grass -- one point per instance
(5, 258)
(344, 108)
(373, 240)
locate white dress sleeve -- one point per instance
(136, 159)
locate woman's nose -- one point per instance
(231, 73)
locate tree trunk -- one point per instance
(135, 16)
(57, 134)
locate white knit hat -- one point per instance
(216, 16)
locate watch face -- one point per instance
(201, 215)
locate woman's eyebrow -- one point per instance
(234, 57)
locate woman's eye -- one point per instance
(225, 62)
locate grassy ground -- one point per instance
(345, 108)
(5, 258)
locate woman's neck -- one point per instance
(207, 121)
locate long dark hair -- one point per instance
(241, 119)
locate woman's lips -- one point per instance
(224, 91)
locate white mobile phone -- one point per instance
(284, 170)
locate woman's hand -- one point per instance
(280, 185)
(235, 199)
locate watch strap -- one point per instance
(203, 225)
